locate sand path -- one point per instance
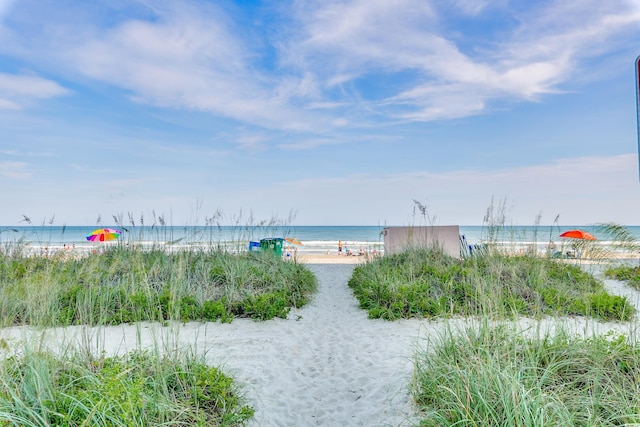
(326, 365)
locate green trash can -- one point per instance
(273, 245)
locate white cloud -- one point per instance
(18, 90)
(440, 101)
(30, 86)
(326, 105)
(307, 144)
(195, 60)
(194, 56)
(15, 170)
(346, 40)
(252, 143)
(5, 104)
(474, 7)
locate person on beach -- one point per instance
(339, 247)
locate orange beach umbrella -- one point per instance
(578, 234)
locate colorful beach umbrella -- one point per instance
(578, 234)
(104, 234)
(293, 241)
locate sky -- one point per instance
(328, 112)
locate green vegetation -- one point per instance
(621, 238)
(140, 389)
(429, 283)
(623, 241)
(123, 285)
(626, 273)
(495, 376)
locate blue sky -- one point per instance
(333, 112)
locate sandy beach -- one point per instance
(330, 259)
(327, 364)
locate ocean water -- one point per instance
(315, 239)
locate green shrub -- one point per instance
(629, 274)
(189, 308)
(215, 310)
(138, 389)
(610, 307)
(267, 306)
(497, 376)
(128, 285)
(428, 283)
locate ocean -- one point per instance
(314, 239)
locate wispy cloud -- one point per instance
(18, 90)
(193, 58)
(15, 170)
(350, 40)
(307, 144)
(193, 55)
(252, 142)
(475, 7)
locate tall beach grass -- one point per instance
(506, 376)
(124, 285)
(426, 282)
(149, 274)
(72, 387)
